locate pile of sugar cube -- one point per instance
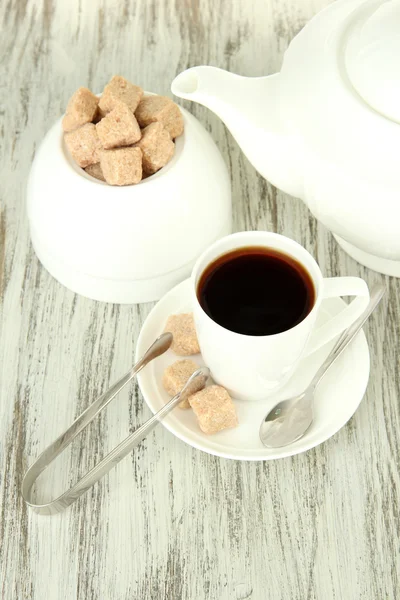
(213, 406)
(123, 136)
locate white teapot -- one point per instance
(327, 127)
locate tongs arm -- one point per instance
(196, 381)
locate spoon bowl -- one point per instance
(289, 419)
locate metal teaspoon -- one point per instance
(290, 419)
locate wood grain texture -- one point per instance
(170, 522)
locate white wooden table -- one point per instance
(171, 522)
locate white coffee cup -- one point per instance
(252, 367)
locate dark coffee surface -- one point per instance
(256, 291)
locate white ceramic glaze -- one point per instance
(253, 367)
(127, 244)
(327, 127)
(382, 265)
(337, 397)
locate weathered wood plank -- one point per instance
(170, 522)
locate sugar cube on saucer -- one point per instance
(176, 375)
(214, 409)
(185, 340)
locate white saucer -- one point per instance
(337, 398)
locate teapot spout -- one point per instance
(250, 108)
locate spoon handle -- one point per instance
(376, 295)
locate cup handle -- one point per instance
(334, 287)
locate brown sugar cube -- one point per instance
(95, 171)
(120, 90)
(118, 128)
(163, 110)
(81, 109)
(84, 145)
(156, 146)
(122, 166)
(185, 340)
(214, 409)
(99, 115)
(176, 375)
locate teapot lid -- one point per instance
(371, 56)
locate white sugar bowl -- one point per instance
(127, 244)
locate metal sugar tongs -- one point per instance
(196, 382)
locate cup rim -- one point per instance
(241, 234)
